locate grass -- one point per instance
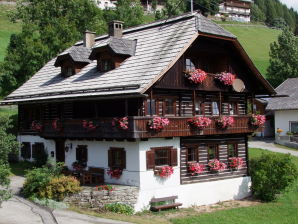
(6, 28)
(256, 41)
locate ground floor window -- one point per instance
(26, 150)
(117, 158)
(161, 156)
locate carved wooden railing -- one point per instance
(137, 128)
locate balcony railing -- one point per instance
(137, 128)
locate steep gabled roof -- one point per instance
(289, 88)
(76, 53)
(159, 45)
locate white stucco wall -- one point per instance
(283, 118)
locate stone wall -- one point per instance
(91, 198)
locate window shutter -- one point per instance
(150, 159)
(174, 157)
(110, 157)
(123, 156)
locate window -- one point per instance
(117, 158)
(37, 149)
(151, 107)
(294, 126)
(212, 152)
(161, 156)
(82, 154)
(26, 150)
(189, 65)
(192, 154)
(232, 150)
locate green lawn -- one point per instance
(283, 211)
(256, 41)
(6, 28)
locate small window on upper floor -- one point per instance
(189, 65)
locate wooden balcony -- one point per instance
(137, 128)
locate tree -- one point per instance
(283, 58)
(49, 27)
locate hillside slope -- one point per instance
(256, 41)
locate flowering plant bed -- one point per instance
(164, 171)
(121, 123)
(158, 123)
(195, 168)
(216, 166)
(56, 125)
(257, 120)
(224, 122)
(199, 122)
(89, 125)
(235, 163)
(115, 173)
(105, 188)
(196, 76)
(226, 78)
(36, 126)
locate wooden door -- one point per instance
(60, 150)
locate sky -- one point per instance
(291, 3)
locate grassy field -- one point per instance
(256, 41)
(6, 28)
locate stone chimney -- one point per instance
(115, 28)
(89, 39)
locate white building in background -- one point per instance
(237, 10)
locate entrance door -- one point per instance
(60, 150)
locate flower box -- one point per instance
(196, 76)
(121, 123)
(199, 122)
(224, 122)
(195, 168)
(226, 78)
(216, 166)
(235, 163)
(158, 123)
(164, 171)
(115, 173)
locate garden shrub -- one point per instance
(271, 174)
(119, 208)
(60, 187)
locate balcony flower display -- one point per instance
(257, 120)
(196, 76)
(36, 126)
(224, 122)
(235, 163)
(164, 171)
(216, 166)
(115, 173)
(226, 78)
(89, 125)
(199, 122)
(158, 123)
(195, 168)
(56, 125)
(121, 123)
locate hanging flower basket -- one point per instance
(224, 122)
(164, 171)
(226, 78)
(121, 123)
(36, 126)
(199, 122)
(235, 163)
(158, 123)
(89, 125)
(115, 173)
(216, 166)
(195, 168)
(196, 76)
(56, 125)
(257, 120)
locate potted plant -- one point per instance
(216, 166)
(235, 163)
(257, 120)
(115, 172)
(226, 78)
(196, 76)
(195, 168)
(158, 123)
(164, 171)
(199, 122)
(121, 123)
(224, 122)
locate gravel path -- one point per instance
(269, 145)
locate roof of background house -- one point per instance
(159, 45)
(290, 88)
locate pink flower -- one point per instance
(226, 78)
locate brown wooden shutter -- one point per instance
(173, 157)
(150, 159)
(110, 157)
(123, 156)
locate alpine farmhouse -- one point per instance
(164, 107)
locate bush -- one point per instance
(119, 208)
(60, 187)
(271, 174)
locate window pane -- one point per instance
(215, 110)
(161, 157)
(294, 127)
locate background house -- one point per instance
(238, 10)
